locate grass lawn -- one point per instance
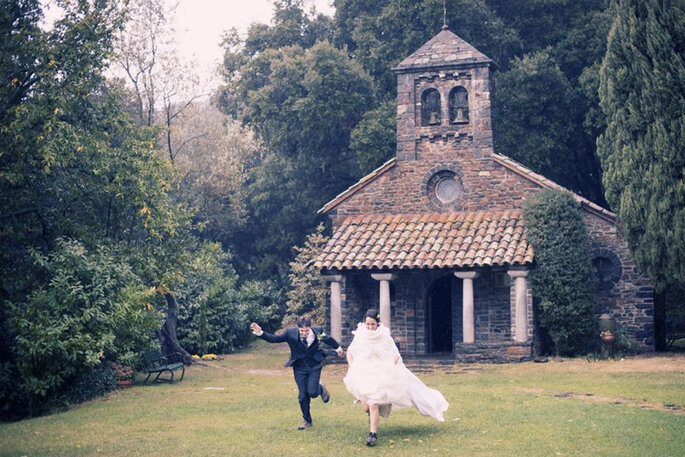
(246, 405)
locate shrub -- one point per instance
(13, 399)
(91, 383)
(263, 302)
(563, 279)
(211, 317)
(89, 305)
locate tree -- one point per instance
(212, 158)
(22, 41)
(303, 105)
(308, 294)
(570, 28)
(212, 319)
(140, 49)
(374, 138)
(263, 300)
(73, 165)
(291, 26)
(163, 86)
(537, 115)
(552, 40)
(563, 278)
(642, 94)
(52, 128)
(380, 34)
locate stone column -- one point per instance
(469, 329)
(384, 279)
(520, 304)
(336, 308)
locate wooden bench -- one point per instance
(155, 362)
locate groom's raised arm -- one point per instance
(268, 337)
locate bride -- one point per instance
(378, 379)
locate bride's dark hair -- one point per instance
(373, 314)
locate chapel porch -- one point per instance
(444, 283)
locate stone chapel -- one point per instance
(434, 238)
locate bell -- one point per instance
(459, 115)
(433, 118)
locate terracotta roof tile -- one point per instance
(451, 240)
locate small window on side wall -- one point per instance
(430, 107)
(608, 270)
(459, 106)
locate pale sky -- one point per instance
(201, 23)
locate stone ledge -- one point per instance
(499, 352)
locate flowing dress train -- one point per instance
(375, 378)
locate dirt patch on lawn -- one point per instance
(635, 364)
(647, 364)
(593, 398)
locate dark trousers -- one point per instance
(307, 379)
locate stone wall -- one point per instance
(492, 307)
(627, 295)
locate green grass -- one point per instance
(246, 405)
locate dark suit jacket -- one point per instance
(313, 354)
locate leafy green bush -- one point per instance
(563, 279)
(91, 383)
(13, 399)
(89, 305)
(211, 317)
(263, 302)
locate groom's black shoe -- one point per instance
(325, 396)
(305, 425)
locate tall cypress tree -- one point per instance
(642, 93)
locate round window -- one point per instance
(608, 271)
(447, 189)
(444, 189)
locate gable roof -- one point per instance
(549, 184)
(443, 50)
(501, 160)
(353, 189)
(454, 240)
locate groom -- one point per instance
(306, 358)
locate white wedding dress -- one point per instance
(375, 378)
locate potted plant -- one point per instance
(607, 329)
(124, 374)
(608, 337)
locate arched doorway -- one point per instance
(443, 315)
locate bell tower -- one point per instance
(443, 95)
